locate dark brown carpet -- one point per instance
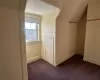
(73, 69)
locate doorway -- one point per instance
(40, 21)
(32, 33)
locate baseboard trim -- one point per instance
(33, 59)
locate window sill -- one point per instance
(32, 42)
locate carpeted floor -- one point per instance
(73, 69)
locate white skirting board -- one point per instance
(33, 59)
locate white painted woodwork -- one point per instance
(50, 45)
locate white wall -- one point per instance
(65, 33)
(1, 49)
(49, 19)
(10, 43)
(81, 31)
(33, 51)
(92, 45)
(65, 41)
(12, 55)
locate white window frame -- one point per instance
(39, 28)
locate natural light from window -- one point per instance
(31, 32)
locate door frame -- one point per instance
(21, 13)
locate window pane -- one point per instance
(27, 25)
(30, 31)
(33, 25)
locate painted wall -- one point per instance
(49, 20)
(92, 46)
(1, 49)
(33, 51)
(65, 41)
(65, 33)
(81, 34)
(12, 54)
(10, 42)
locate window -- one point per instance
(32, 29)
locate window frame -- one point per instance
(38, 30)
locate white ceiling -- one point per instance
(39, 7)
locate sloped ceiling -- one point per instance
(78, 10)
(39, 7)
(77, 7)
